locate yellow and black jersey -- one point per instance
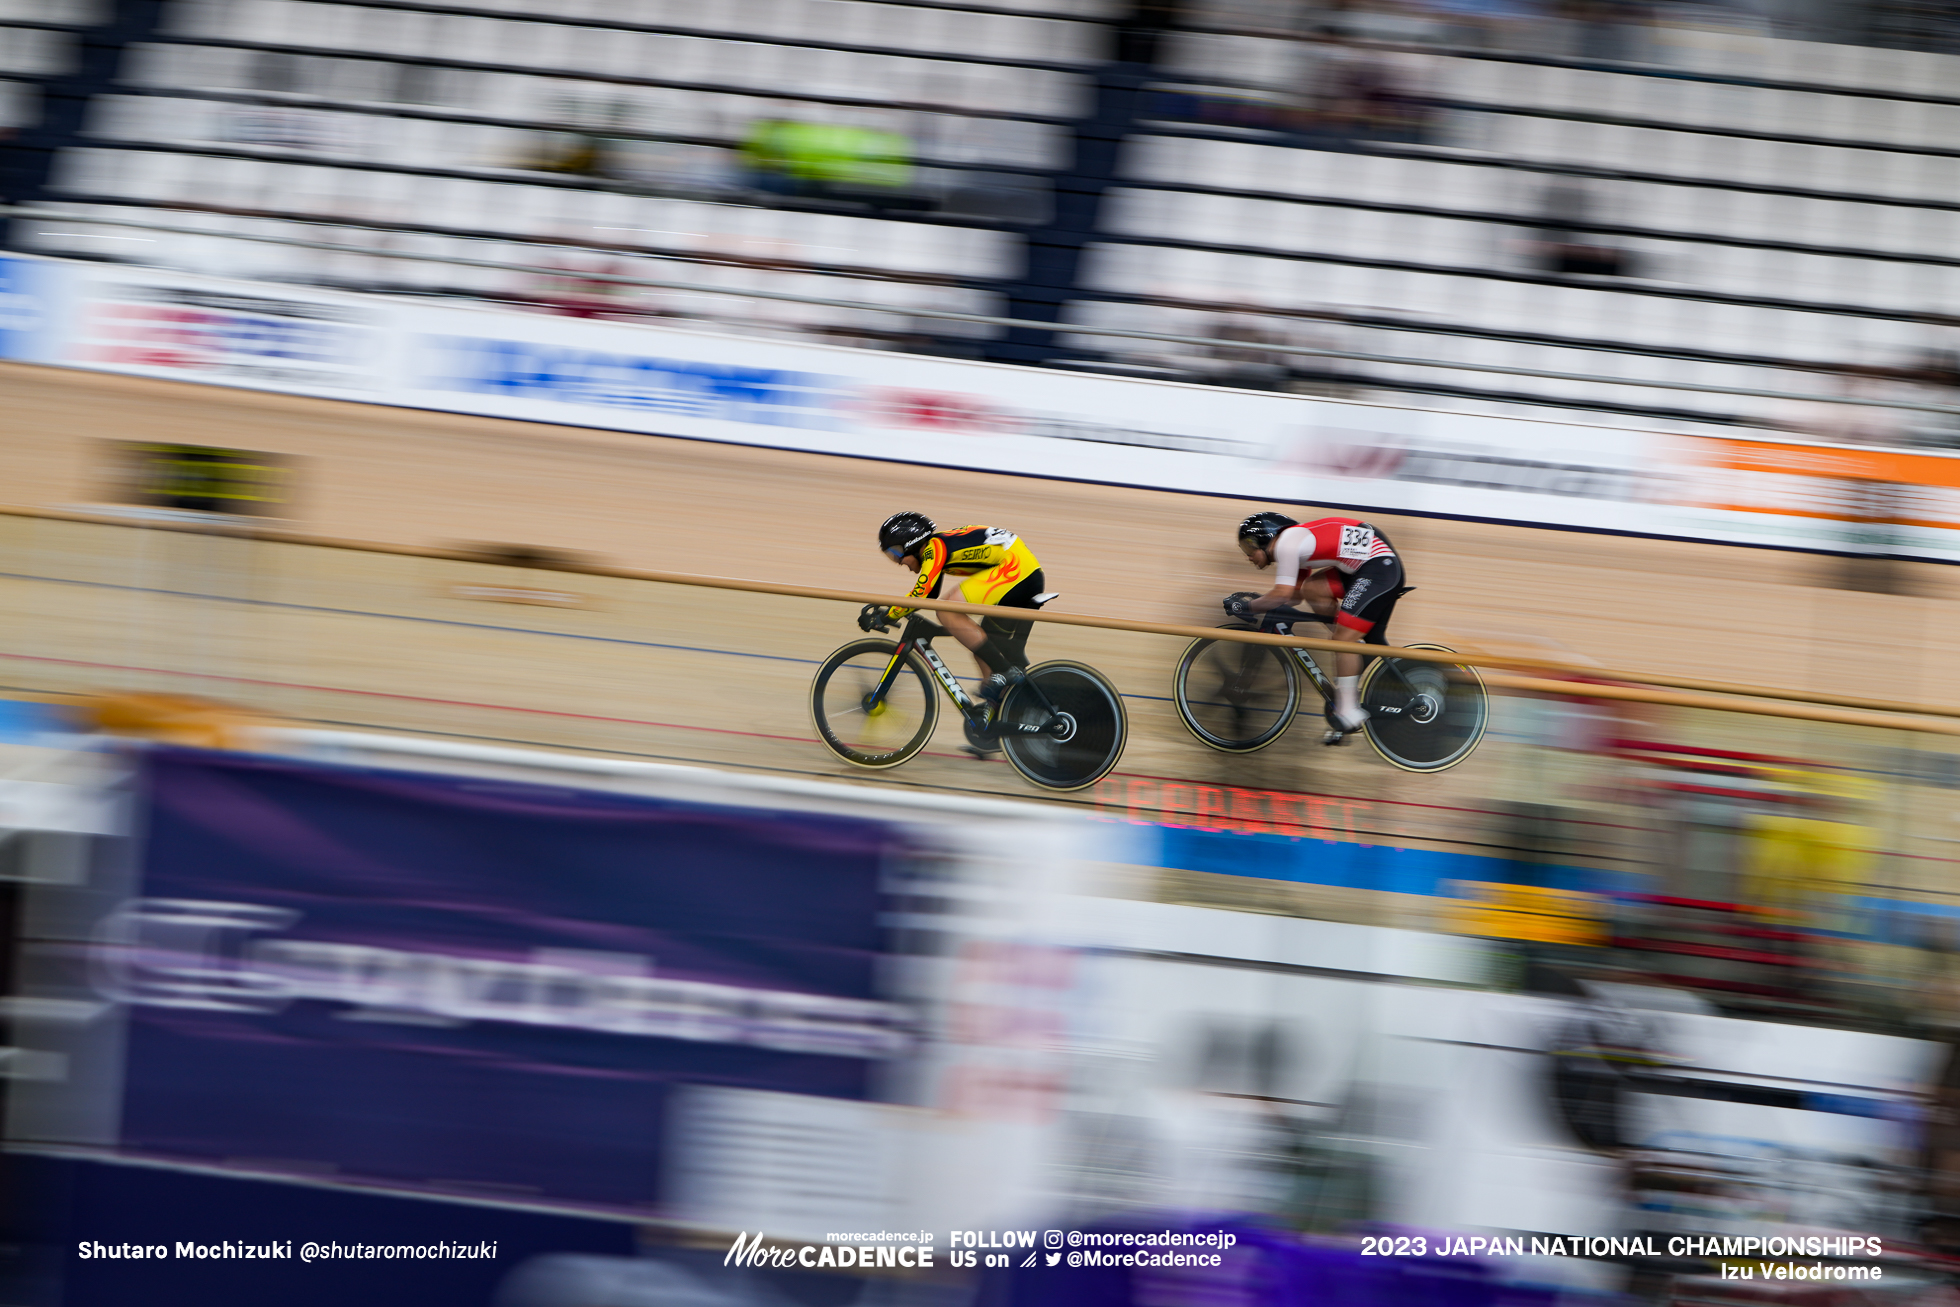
(991, 560)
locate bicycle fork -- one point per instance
(940, 672)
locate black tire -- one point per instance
(1424, 717)
(905, 717)
(1082, 748)
(1236, 698)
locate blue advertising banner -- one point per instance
(466, 986)
(32, 293)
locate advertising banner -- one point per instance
(1276, 448)
(474, 988)
(32, 293)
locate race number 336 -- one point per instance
(1356, 541)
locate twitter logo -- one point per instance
(1053, 1258)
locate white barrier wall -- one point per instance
(1165, 435)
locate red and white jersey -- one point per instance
(1344, 543)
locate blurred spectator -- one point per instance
(1354, 93)
(1610, 30)
(1565, 247)
(1926, 379)
(1138, 40)
(1933, 377)
(1242, 363)
(584, 149)
(826, 161)
(1492, 24)
(582, 296)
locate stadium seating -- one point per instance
(37, 43)
(1732, 208)
(621, 127)
(1770, 209)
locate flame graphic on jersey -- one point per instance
(1010, 570)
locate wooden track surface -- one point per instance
(671, 672)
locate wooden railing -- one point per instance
(1510, 671)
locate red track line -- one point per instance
(447, 703)
(1642, 747)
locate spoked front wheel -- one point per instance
(1424, 716)
(1079, 726)
(1235, 697)
(881, 734)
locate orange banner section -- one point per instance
(1844, 463)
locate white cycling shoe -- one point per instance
(1340, 725)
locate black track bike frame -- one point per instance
(919, 633)
(1289, 617)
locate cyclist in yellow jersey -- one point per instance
(995, 567)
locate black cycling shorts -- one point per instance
(1368, 598)
(1010, 635)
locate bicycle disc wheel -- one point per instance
(1083, 735)
(1237, 698)
(1424, 716)
(885, 736)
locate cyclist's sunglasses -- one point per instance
(896, 554)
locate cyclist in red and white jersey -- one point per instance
(1340, 567)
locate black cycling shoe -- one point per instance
(995, 687)
(979, 741)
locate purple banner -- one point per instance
(469, 986)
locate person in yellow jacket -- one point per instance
(995, 567)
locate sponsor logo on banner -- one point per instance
(763, 396)
(1326, 454)
(1833, 483)
(224, 334)
(1379, 456)
(193, 954)
(918, 410)
(457, 984)
(728, 392)
(26, 306)
(929, 410)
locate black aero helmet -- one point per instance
(901, 531)
(1260, 528)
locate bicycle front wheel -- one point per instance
(1424, 717)
(883, 734)
(1237, 698)
(1079, 722)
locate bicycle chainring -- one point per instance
(978, 737)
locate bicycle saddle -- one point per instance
(1044, 599)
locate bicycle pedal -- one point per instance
(1335, 736)
(979, 743)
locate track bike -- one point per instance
(1239, 698)
(1062, 726)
